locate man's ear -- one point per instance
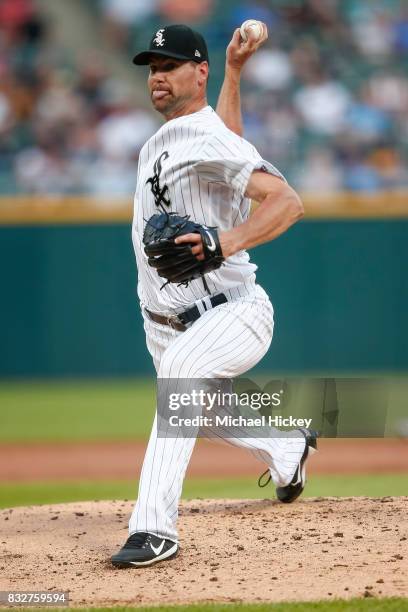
(203, 70)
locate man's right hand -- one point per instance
(229, 101)
(239, 51)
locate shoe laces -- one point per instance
(267, 481)
(138, 540)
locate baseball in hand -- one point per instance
(252, 25)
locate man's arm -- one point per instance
(229, 101)
(279, 208)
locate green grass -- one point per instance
(117, 409)
(87, 410)
(26, 494)
(354, 605)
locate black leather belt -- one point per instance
(181, 320)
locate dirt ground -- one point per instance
(232, 550)
(110, 460)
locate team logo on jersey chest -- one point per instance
(159, 192)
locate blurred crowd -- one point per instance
(66, 127)
(326, 99)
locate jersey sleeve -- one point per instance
(232, 161)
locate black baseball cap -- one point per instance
(178, 41)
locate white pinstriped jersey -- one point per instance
(194, 165)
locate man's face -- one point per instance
(173, 82)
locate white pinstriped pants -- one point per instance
(224, 342)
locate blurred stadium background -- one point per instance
(326, 100)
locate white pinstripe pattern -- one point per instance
(206, 172)
(224, 343)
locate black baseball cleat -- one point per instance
(144, 549)
(290, 492)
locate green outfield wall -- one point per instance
(69, 304)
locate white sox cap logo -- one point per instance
(159, 40)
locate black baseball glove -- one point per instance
(176, 262)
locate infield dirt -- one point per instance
(104, 460)
(231, 550)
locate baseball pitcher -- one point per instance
(204, 314)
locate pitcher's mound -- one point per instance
(231, 550)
